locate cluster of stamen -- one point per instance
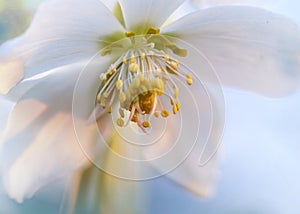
(136, 81)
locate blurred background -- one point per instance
(259, 172)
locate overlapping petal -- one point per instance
(40, 143)
(250, 48)
(146, 13)
(62, 32)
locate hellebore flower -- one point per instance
(133, 82)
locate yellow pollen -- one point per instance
(132, 59)
(109, 110)
(124, 60)
(188, 76)
(122, 97)
(178, 105)
(120, 122)
(172, 101)
(103, 77)
(175, 110)
(133, 67)
(119, 84)
(105, 95)
(174, 65)
(121, 112)
(146, 124)
(130, 34)
(189, 79)
(156, 114)
(99, 98)
(167, 58)
(165, 113)
(143, 57)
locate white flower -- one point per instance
(54, 68)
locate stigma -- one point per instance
(135, 83)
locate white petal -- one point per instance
(146, 13)
(62, 32)
(6, 107)
(40, 143)
(258, 3)
(250, 48)
(111, 4)
(191, 141)
(186, 8)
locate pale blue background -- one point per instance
(259, 164)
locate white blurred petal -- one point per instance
(111, 4)
(146, 13)
(250, 48)
(258, 3)
(62, 32)
(40, 143)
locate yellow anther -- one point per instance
(124, 60)
(120, 122)
(176, 93)
(146, 124)
(165, 113)
(113, 69)
(153, 30)
(178, 105)
(174, 65)
(99, 98)
(109, 110)
(119, 84)
(129, 34)
(167, 58)
(103, 77)
(189, 81)
(172, 101)
(133, 67)
(132, 59)
(188, 76)
(121, 112)
(175, 110)
(156, 114)
(105, 95)
(143, 57)
(122, 97)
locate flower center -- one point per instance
(139, 78)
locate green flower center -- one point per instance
(140, 76)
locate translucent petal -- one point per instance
(258, 3)
(62, 32)
(250, 48)
(111, 4)
(145, 13)
(40, 144)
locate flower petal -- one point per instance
(40, 143)
(111, 4)
(195, 144)
(258, 3)
(250, 48)
(146, 13)
(62, 32)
